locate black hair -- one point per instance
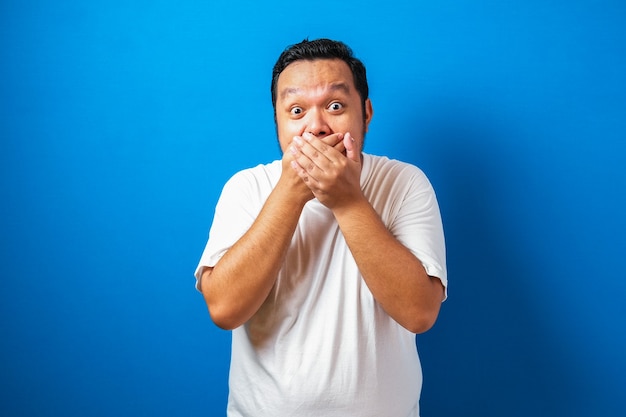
(321, 49)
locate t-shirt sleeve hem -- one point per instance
(205, 262)
(438, 273)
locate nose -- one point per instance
(317, 124)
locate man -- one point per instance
(326, 263)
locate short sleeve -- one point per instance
(234, 214)
(419, 227)
(238, 206)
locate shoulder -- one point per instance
(246, 191)
(381, 168)
(260, 176)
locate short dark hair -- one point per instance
(321, 49)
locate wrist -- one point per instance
(292, 191)
(353, 208)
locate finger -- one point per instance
(335, 140)
(330, 140)
(315, 149)
(332, 146)
(353, 150)
(306, 176)
(306, 159)
(340, 147)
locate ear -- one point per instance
(369, 112)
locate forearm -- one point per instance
(241, 280)
(395, 277)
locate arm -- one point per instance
(241, 280)
(236, 287)
(396, 278)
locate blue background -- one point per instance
(121, 120)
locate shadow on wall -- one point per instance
(490, 353)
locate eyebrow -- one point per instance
(333, 87)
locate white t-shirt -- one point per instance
(321, 345)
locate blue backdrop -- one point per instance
(121, 120)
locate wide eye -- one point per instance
(336, 106)
(296, 111)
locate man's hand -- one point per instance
(301, 189)
(289, 178)
(331, 172)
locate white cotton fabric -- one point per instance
(321, 345)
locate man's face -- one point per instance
(319, 97)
